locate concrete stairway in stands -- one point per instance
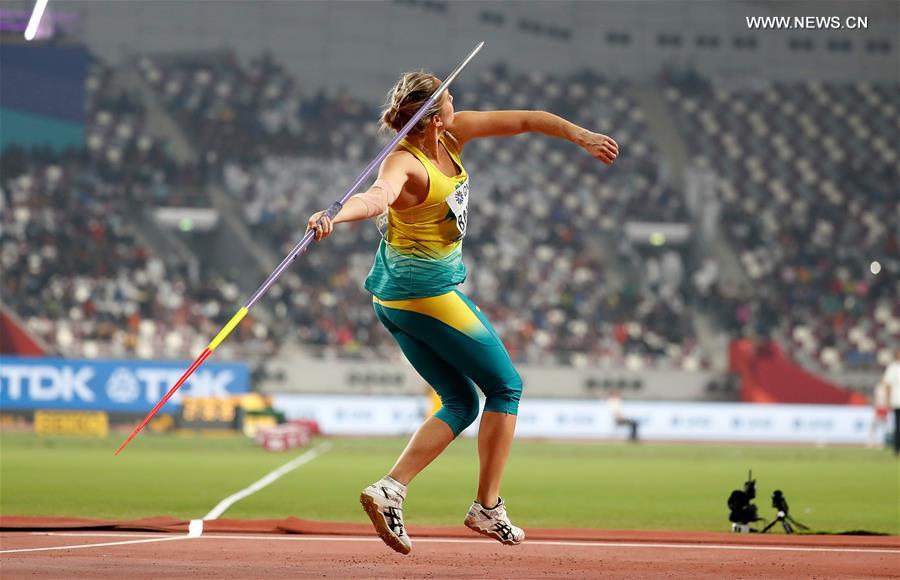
(229, 247)
(675, 151)
(159, 122)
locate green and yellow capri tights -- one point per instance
(453, 346)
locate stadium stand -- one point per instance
(793, 162)
(75, 268)
(121, 149)
(547, 253)
(543, 204)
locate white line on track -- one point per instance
(80, 546)
(582, 544)
(272, 476)
(196, 526)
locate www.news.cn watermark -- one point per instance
(807, 22)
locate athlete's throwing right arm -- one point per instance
(468, 125)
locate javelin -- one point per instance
(301, 247)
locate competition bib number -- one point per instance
(459, 205)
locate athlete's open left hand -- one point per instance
(321, 224)
(600, 146)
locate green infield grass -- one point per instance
(547, 484)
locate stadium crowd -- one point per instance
(542, 206)
(808, 207)
(74, 265)
(120, 148)
(546, 248)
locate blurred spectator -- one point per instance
(891, 380)
(615, 408)
(881, 398)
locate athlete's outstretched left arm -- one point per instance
(468, 125)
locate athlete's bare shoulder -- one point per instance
(402, 161)
(400, 157)
(408, 175)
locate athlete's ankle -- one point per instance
(396, 481)
(489, 505)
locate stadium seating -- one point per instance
(122, 150)
(794, 161)
(530, 247)
(74, 265)
(546, 248)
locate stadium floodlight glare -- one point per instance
(35, 21)
(332, 211)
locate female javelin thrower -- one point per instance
(424, 190)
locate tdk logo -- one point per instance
(46, 383)
(123, 386)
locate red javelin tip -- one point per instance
(203, 356)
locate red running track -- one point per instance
(611, 554)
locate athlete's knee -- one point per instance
(471, 414)
(466, 411)
(459, 412)
(505, 396)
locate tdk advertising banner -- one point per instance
(110, 385)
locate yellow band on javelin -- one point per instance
(235, 320)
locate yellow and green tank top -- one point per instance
(420, 253)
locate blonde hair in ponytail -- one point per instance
(406, 98)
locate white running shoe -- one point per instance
(383, 502)
(494, 523)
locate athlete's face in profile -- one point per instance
(446, 113)
(447, 108)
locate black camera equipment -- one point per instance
(781, 504)
(740, 504)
